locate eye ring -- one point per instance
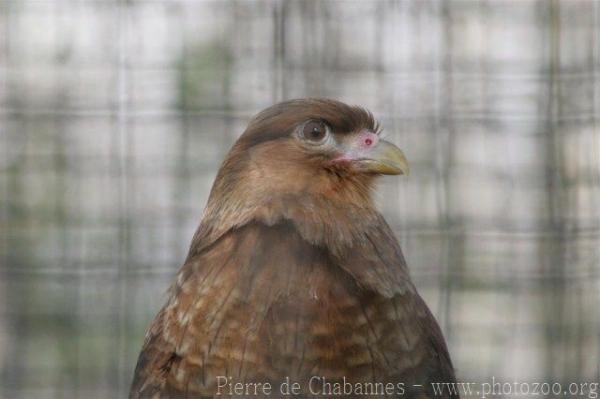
(315, 131)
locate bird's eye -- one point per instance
(314, 131)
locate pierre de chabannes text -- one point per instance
(321, 386)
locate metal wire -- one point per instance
(115, 115)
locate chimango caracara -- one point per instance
(293, 276)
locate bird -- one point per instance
(294, 280)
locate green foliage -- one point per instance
(204, 77)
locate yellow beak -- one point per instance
(386, 159)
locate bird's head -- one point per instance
(301, 157)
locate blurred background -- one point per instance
(115, 115)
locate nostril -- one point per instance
(369, 139)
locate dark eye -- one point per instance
(314, 131)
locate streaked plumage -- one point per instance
(292, 272)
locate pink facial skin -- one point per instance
(358, 148)
(368, 140)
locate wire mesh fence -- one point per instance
(115, 115)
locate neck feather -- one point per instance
(319, 219)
